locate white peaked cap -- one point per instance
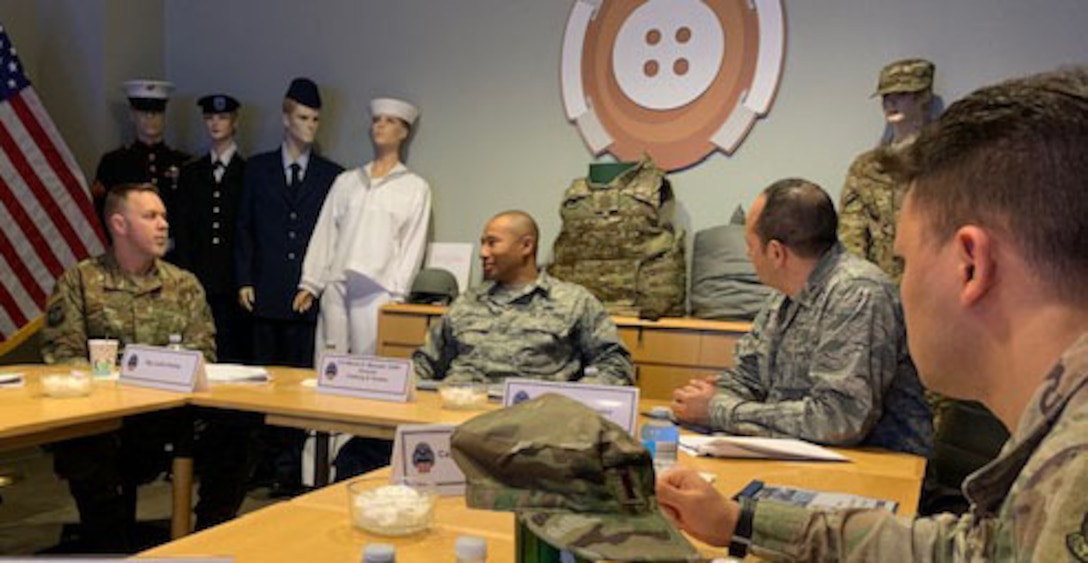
(148, 89)
(395, 108)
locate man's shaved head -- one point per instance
(508, 248)
(520, 224)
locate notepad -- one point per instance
(748, 447)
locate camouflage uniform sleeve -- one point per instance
(432, 359)
(849, 368)
(64, 335)
(783, 532)
(741, 382)
(200, 331)
(600, 345)
(853, 228)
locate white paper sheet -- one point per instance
(757, 448)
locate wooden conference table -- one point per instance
(317, 526)
(28, 418)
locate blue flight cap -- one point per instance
(304, 91)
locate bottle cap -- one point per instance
(471, 548)
(379, 553)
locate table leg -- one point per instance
(321, 459)
(181, 520)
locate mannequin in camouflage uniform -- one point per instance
(870, 199)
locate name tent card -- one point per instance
(163, 368)
(422, 451)
(366, 377)
(614, 402)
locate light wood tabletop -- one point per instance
(303, 531)
(28, 417)
(317, 526)
(288, 401)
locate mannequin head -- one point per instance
(391, 124)
(220, 116)
(906, 91)
(147, 108)
(300, 122)
(150, 125)
(301, 112)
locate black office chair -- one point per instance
(969, 437)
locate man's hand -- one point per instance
(303, 301)
(696, 507)
(245, 298)
(691, 403)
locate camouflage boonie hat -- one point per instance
(907, 75)
(576, 480)
(433, 285)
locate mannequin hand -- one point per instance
(697, 507)
(245, 298)
(303, 301)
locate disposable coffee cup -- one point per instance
(103, 353)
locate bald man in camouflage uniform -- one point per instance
(870, 198)
(988, 290)
(521, 322)
(131, 295)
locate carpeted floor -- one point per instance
(37, 515)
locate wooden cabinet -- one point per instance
(667, 353)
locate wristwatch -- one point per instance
(742, 536)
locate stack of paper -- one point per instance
(236, 373)
(757, 448)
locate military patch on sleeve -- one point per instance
(56, 314)
(1077, 542)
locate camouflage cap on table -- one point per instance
(907, 75)
(576, 480)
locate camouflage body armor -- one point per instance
(619, 243)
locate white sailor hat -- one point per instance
(394, 107)
(148, 95)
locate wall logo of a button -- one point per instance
(675, 79)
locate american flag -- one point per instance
(47, 220)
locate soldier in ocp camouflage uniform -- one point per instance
(870, 198)
(826, 359)
(975, 181)
(130, 295)
(522, 322)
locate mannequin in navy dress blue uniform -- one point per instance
(282, 195)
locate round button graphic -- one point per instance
(674, 79)
(668, 53)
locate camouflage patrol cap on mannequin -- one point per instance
(907, 75)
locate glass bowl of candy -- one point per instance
(398, 509)
(463, 395)
(66, 385)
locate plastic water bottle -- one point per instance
(470, 549)
(662, 439)
(379, 553)
(175, 342)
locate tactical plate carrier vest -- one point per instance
(619, 243)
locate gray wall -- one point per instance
(486, 75)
